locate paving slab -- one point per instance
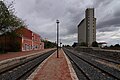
(54, 68)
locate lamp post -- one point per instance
(57, 21)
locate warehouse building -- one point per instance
(87, 28)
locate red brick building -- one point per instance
(27, 39)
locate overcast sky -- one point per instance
(41, 15)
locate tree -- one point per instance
(94, 44)
(8, 21)
(75, 44)
(111, 46)
(117, 45)
(48, 44)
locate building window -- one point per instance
(31, 46)
(27, 47)
(88, 28)
(88, 24)
(88, 18)
(34, 47)
(24, 47)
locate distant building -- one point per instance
(87, 28)
(27, 39)
(102, 44)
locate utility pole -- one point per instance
(57, 21)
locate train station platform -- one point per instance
(54, 68)
(10, 55)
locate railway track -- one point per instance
(88, 69)
(97, 57)
(24, 69)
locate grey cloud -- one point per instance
(69, 39)
(48, 35)
(117, 13)
(74, 18)
(98, 3)
(112, 22)
(50, 9)
(41, 16)
(109, 15)
(108, 29)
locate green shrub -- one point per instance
(94, 44)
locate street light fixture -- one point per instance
(57, 21)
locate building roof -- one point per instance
(89, 8)
(81, 22)
(102, 43)
(23, 32)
